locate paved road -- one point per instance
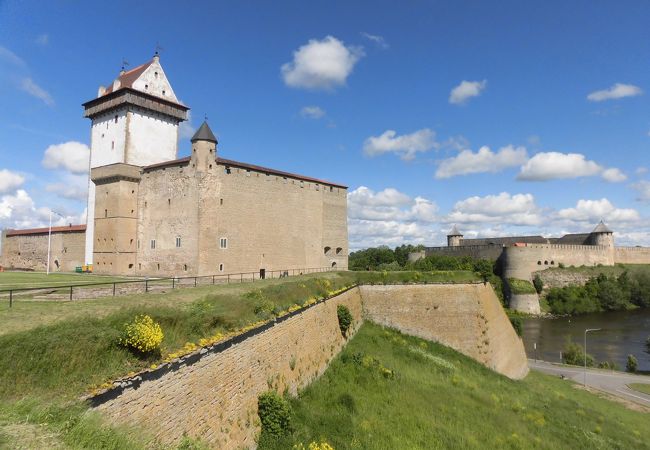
(614, 383)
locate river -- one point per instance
(623, 333)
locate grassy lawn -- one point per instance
(521, 286)
(387, 390)
(641, 387)
(13, 280)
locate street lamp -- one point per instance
(587, 331)
(49, 240)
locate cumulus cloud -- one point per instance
(618, 90)
(641, 170)
(613, 175)
(19, 211)
(592, 211)
(554, 165)
(378, 40)
(467, 162)
(321, 64)
(643, 188)
(10, 181)
(28, 85)
(186, 129)
(71, 156)
(312, 112)
(504, 208)
(466, 90)
(72, 187)
(405, 146)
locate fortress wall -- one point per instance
(30, 251)
(467, 318)
(215, 398)
(632, 255)
(475, 251)
(520, 262)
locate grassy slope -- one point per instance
(429, 405)
(594, 271)
(45, 368)
(521, 286)
(641, 387)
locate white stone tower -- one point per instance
(454, 237)
(602, 235)
(134, 121)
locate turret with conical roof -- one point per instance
(454, 237)
(602, 235)
(204, 148)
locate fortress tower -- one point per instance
(602, 235)
(454, 237)
(134, 121)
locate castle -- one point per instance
(151, 213)
(520, 256)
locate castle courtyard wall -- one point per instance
(29, 251)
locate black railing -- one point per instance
(112, 288)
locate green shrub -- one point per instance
(521, 286)
(275, 414)
(142, 334)
(345, 318)
(538, 284)
(574, 354)
(632, 364)
(561, 265)
(611, 365)
(517, 324)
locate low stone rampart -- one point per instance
(468, 318)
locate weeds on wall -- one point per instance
(345, 318)
(275, 416)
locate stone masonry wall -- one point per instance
(467, 318)
(215, 399)
(632, 255)
(30, 251)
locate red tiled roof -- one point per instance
(65, 229)
(128, 78)
(230, 162)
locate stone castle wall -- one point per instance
(468, 318)
(269, 221)
(475, 251)
(29, 251)
(632, 255)
(215, 398)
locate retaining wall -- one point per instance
(468, 318)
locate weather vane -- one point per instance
(158, 48)
(124, 63)
(205, 117)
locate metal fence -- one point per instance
(134, 286)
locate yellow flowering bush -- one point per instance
(143, 334)
(323, 445)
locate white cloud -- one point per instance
(643, 187)
(72, 187)
(592, 211)
(503, 209)
(389, 204)
(466, 90)
(71, 156)
(186, 129)
(405, 146)
(554, 165)
(312, 112)
(378, 40)
(18, 211)
(641, 170)
(10, 181)
(613, 175)
(28, 85)
(42, 39)
(483, 161)
(618, 90)
(322, 64)
(10, 57)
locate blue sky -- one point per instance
(511, 119)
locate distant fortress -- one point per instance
(520, 256)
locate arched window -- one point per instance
(539, 263)
(327, 250)
(546, 263)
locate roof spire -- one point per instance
(204, 133)
(454, 231)
(602, 228)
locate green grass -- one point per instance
(440, 399)
(15, 280)
(521, 286)
(641, 387)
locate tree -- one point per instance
(538, 283)
(632, 364)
